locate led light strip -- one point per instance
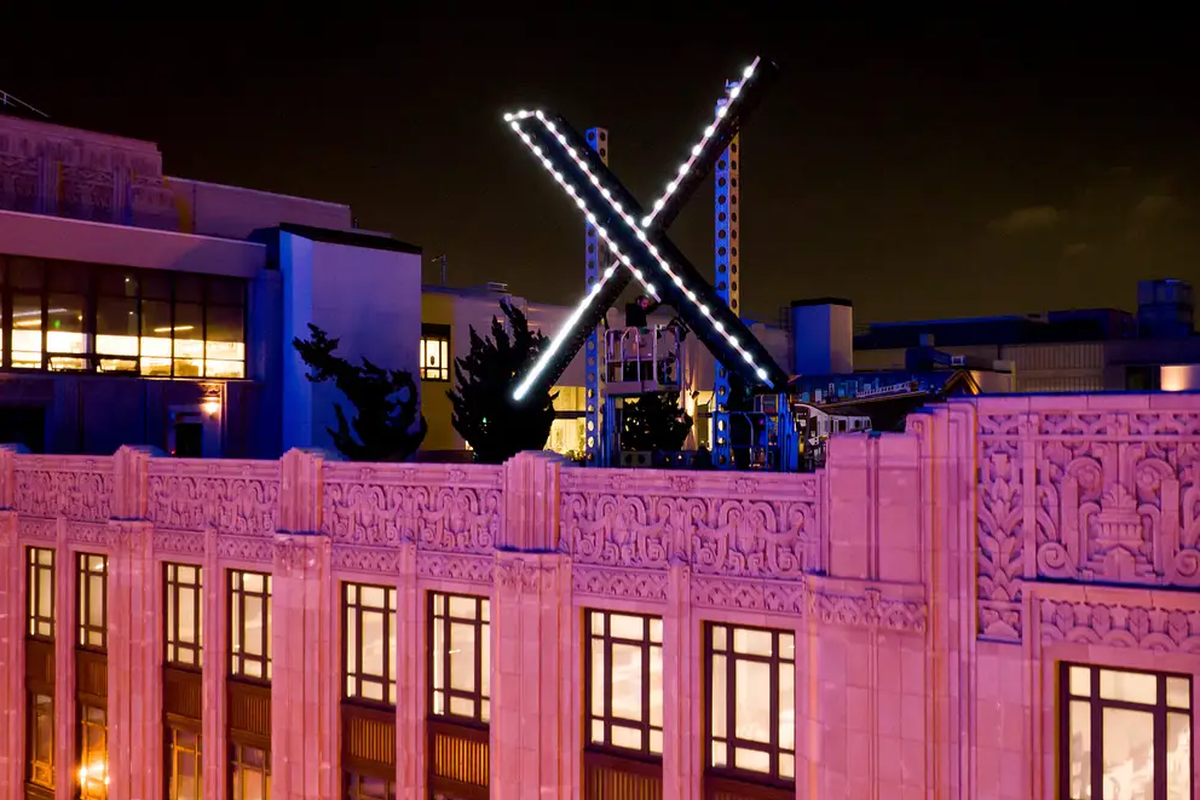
(637, 230)
(514, 120)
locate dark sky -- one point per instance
(921, 168)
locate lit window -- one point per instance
(363, 787)
(1125, 734)
(93, 601)
(250, 624)
(435, 352)
(41, 593)
(183, 620)
(460, 656)
(370, 642)
(40, 739)
(623, 681)
(250, 773)
(93, 753)
(183, 764)
(751, 708)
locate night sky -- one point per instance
(920, 168)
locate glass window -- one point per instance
(117, 333)
(93, 753)
(68, 276)
(156, 338)
(27, 331)
(1125, 734)
(26, 273)
(363, 787)
(225, 342)
(184, 615)
(189, 340)
(183, 764)
(156, 285)
(40, 739)
(93, 600)
(460, 656)
(116, 282)
(435, 352)
(751, 710)
(40, 591)
(623, 681)
(250, 624)
(249, 773)
(226, 291)
(65, 336)
(370, 616)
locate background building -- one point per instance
(903, 623)
(144, 309)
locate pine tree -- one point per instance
(484, 412)
(654, 422)
(388, 425)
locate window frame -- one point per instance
(37, 771)
(1160, 709)
(172, 589)
(90, 293)
(352, 785)
(236, 595)
(387, 681)
(85, 574)
(605, 638)
(173, 751)
(434, 333)
(38, 572)
(83, 750)
(237, 763)
(732, 743)
(482, 627)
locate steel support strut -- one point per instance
(596, 259)
(725, 252)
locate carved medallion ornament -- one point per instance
(1108, 497)
(238, 497)
(438, 506)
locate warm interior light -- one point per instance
(168, 328)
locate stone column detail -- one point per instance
(411, 652)
(135, 741)
(12, 645)
(683, 763)
(533, 684)
(215, 654)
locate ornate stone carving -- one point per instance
(129, 537)
(1158, 629)
(41, 530)
(870, 609)
(297, 554)
(1107, 496)
(88, 533)
(627, 584)
(371, 560)
(185, 543)
(246, 548)
(779, 597)
(238, 497)
(73, 487)
(466, 568)
(619, 530)
(438, 507)
(522, 575)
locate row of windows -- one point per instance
(435, 352)
(1124, 733)
(60, 315)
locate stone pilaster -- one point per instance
(66, 783)
(12, 653)
(411, 635)
(683, 764)
(135, 615)
(215, 655)
(533, 690)
(305, 679)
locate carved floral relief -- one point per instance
(1103, 496)
(235, 497)
(72, 487)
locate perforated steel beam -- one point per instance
(596, 259)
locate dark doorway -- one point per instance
(24, 425)
(189, 440)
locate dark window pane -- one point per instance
(226, 324)
(117, 333)
(68, 276)
(228, 291)
(26, 273)
(189, 288)
(116, 282)
(156, 338)
(156, 285)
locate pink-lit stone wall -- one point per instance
(933, 580)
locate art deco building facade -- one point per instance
(998, 604)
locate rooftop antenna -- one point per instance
(9, 101)
(441, 260)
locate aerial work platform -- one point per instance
(642, 360)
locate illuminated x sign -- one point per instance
(638, 243)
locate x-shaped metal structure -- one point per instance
(637, 243)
